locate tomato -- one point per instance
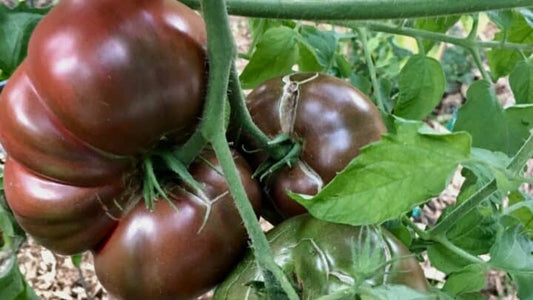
(168, 253)
(322, 257)
(330, 119)
(103, 83)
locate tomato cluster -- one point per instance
(103, 84)
(91, 98)
(107, 82)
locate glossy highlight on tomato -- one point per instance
(103, 82)
(170, 253)
(321, 258)
(329, 118)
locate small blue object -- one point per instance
(451, 123)
(416, 212)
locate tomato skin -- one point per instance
(37, 139)
(165, 254)
(103, 82)
(313, 253)
(123, 73)
(63, 218)
(331, 119)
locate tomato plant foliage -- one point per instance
(405, 65)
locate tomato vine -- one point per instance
(358, 9)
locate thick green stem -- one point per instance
(441, 239)
(464, 208)
(359, 9)
(474, 51)
(421, 233)
(260, 244)
(371, 69)
(190, 150)
(241, 118)
(515, 167)
(434, 36)
(524, 154)
(221, 52)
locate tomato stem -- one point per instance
(221, 53)
(190, 150)
(441, 239)
(433, 36)
(421, 233)
(515, 167)
(240, 116)
(371, 68)
(359, 9)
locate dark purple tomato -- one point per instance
(181, 252)
(330, 119)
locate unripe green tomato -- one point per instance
(321, 258)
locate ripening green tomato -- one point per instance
(321, 258)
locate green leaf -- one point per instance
(468, 280)
(513, 252)
(6, 224)
(16, 26)
(521, 81)
(344, 66)
(28, 293)
(12, 284)
(259, 26)
(491, 126)
(446, 260)
(76, 260)
(502, 18)
(392, 292)
(523, 285)
(308, 60)
(527, 13)
(435, 24)
(362, 83)
(503, 61)
(275, 55)
(390, 177)
(323, 43)
(400, 231)
(470, 296)
(421, 87)
(490, 165)
(386, 89)
(474, 233)
(481, 114)
(521, 207)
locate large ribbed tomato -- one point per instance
(171, 254)
(330, 119)
(322, 258)
(104, 81)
